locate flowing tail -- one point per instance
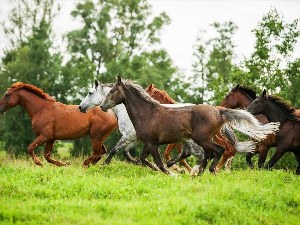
(246, 123)
(241, 147)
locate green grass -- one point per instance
(126, 194)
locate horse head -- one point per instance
(115, 96)
(9, 100)
(259, 105)
(239, 97)
(94, 98)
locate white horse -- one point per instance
(129, 139)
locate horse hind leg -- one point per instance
(218, 151)
(37, 142)
(48, 150)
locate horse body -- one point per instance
(200, 122)
(288, 136)
(52, 121)
(241, 97)
(231, 146)
(129, 138)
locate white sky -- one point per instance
(187, 18)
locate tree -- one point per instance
(268, 65)
(213, 67)
(118, 37)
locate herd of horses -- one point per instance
(151, 117)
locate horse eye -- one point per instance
(6, 94)
(90, 93)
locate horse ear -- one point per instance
(237, 86)
(119, 80)
(150, 86)
(264, 94)
(96, 83)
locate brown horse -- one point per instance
(288, 137)
(163, 97)
(156, 124)
(241, 97)
(52, 121)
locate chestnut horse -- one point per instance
(52, 121)
(229, 145)
(241, 97)
(288, 136)
(156, 124)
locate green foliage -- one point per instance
(272, 58)
(213, 67)
(126, 194)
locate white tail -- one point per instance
(246, 123)
(246, 146)
(241, 147)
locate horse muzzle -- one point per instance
(83, 110)
(104, 108)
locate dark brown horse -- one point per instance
(52, 121)
(163, 97)
(241, 97)
(156, 124)
(288, 137)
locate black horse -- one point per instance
(288, 137)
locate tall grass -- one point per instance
(122, 193)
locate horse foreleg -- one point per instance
(263, 152)
(280, 151)
(128, 155)
(98, 150)
(184, 154)
(144, 161)
(167, 156)
(157, 159)
(37, 142)
(128, 143)
(48, 150)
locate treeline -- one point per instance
(118, 37)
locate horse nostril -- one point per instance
(79, 107)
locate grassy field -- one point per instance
(126, 194)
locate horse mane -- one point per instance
(163, 95)
(247, 91)
(138, 90)
(288, 109)
(33, 89)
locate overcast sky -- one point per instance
(187, 18)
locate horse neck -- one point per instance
(137, 107)
(32, 103)
(276, 114)
(244, 101)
